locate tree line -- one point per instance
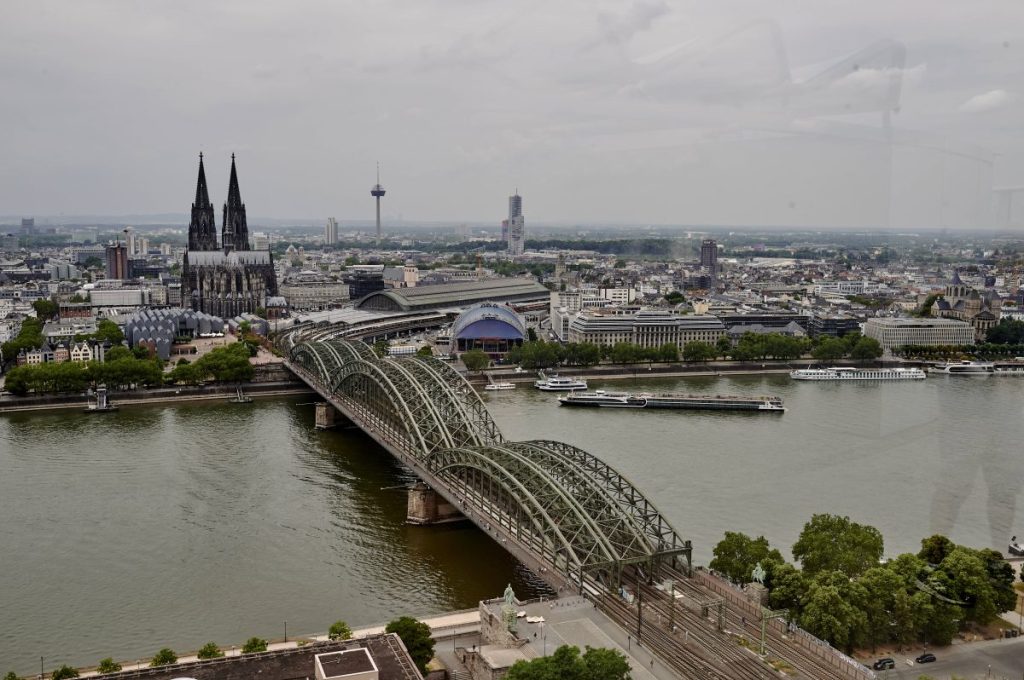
(126, 368)
(844, 593)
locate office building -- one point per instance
(893, 333)
(709, 259)
(117, 261)
(330, 232)
(516, 226)
(644, 328)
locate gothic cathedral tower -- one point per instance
(202, 230)
(234, 231)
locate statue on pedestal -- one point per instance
(508, 609)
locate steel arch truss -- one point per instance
(566, 506)
(572, 512)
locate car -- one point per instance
(882, 664)
(927, 657)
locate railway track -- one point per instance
(695, 649)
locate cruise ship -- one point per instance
(601, 399)
(556, 383)
(858, 374)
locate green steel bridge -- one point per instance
(567, 515)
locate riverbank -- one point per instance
(672, 370)
(159, 395)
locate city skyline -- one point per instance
(649, 113)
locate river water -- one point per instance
(175, 525)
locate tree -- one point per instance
(11, 676)
(476, 360)
(866, 349)
(1007, 332)
(254, 645)
(723, 346)
(829, 616)
(416, 637)
(45, 308)
(164, 657)
(675, 298)
(209, 651)
(606, 664)
(829, 349)
(425, 351)
(63, 673)
(834, 543)
(788, 587)
(108, 665)
(737, 554)
(699, 351)
(260, 312)
(339, 631)
(118, 352)
(531, 334)
(109, 331)
(935, 548)
(380, 348)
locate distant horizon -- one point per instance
(180, 221)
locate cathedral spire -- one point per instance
(202, 230)
(234, 195)
(234, 230)
(202, 194)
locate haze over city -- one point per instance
(652, 112)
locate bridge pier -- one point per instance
(327, 416)
(426, 506)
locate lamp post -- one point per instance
(286, 631)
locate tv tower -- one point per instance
(377, 191)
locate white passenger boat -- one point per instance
(556, 383)
(965, 368)
(842, 373)
(495, 386)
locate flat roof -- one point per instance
(345, 662)
(453, 294)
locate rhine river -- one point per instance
(174, 525)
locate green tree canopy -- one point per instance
(108, 665)
(339, 631)
(164, 657)
(829, 349)
(866, 349)
(1007, 332)
(737, 554)
(63, 673)
(209, 651)
(834, 543)
(699, 351)
(476, 360)
(415, 635)
(110, 331)
(254, 645)
(45, 308)
(566, 663)
(425, 351)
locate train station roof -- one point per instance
(447, 295)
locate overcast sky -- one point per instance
(647, 112)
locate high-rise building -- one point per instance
(709, 258)
(516, 225)
(330, 232)
(117, 261)
(129, 239)
(28, 225)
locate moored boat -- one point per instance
(965, 368)
(843, 373)
(556, 383)
(495, 386)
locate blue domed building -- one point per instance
(490, 327)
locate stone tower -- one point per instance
(234, 230)
(202, 230)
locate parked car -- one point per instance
(882, 664)
(927, 657)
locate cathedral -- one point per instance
(229, 279)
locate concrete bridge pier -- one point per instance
(426, 506)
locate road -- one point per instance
(995, 659)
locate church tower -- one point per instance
(234, 231)
(202, 230)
